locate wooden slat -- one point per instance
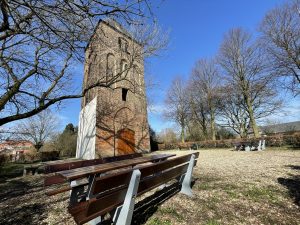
(100, 206)
(82, 183)
(55, 179)
(155, 181)
(62, 165)
(51, 168)
(58, 191)
(78, 207)
(90, 170)
(111, 181)
(122, 157)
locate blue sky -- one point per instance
(196, 31)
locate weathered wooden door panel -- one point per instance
(125, 142)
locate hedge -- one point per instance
(272, 141)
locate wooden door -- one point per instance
(125, 142)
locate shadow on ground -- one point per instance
(292, 184)
(23, 214)
(18, 210)
(148, 206)
(18, 187)
(145, 208)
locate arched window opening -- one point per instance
(137, 78)
(123, 68)
(110, 67)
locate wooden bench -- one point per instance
(112, 187)
(31, 169)
(115, 193)
(62, 170)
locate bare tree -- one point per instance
(205, 82)
(233, 114)
(281, 39)
(198, 110)
(41, 41)
(245, 71)
(167, 135)
(177, 105)
(39, 128)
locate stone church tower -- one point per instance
(113, 119)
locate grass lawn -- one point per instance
(230, 188)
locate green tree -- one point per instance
(66, 142)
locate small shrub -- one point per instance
(21, 158)
(275, 141)
(296, 141)
(31, 156)
(3, 159)
(48, 156)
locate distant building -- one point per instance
(282, 128)
(113, 119)
(15, 148)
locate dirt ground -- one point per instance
(230, 188)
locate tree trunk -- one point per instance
(212, 124)
(182, 134)
(251, 116)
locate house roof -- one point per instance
(10, 144)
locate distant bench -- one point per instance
(33, 169)
(252, 145)
(112, 187)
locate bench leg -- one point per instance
(24, 172)
(123, 215)
(75, 192)
(259, 148)
(187, 180)
(263, 147)
(95, 221)
(92, 179)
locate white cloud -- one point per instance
(157, 109)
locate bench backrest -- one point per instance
(109, 191)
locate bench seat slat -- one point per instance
(53, 167)
(85, 171)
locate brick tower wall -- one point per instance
(121, 111)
